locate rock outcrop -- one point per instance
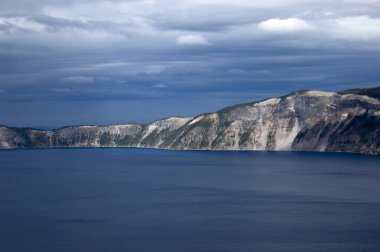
(305, 120)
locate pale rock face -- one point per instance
(363, 98)
(319, 93)
(197, 119)
(272, 101)
(285, 136)
(307, 120)
(155, 133)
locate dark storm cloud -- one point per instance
(192, 55)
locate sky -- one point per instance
(66, 62)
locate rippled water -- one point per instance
(156, 200)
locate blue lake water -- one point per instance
(156, 200)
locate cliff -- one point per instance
(307, 120)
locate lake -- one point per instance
(128, 199)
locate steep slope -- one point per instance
(305, 120)
(24, 137)
(152, 134)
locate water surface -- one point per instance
(157, 200)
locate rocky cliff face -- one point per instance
(304, 120)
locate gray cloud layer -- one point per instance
(192, 55)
